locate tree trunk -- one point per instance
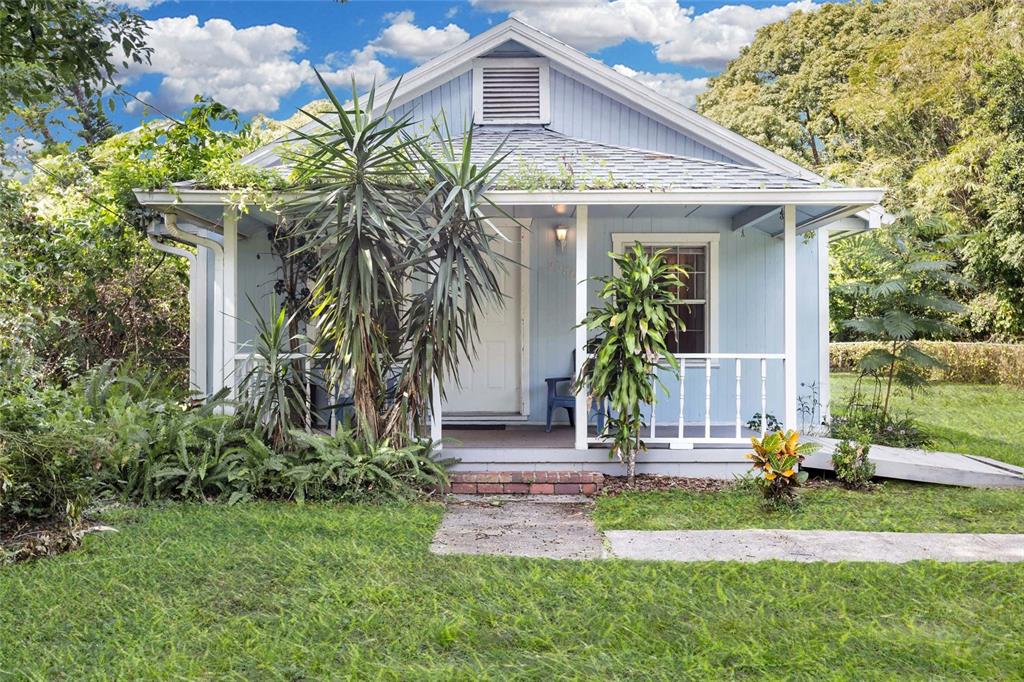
(888, 386)
(631, 468)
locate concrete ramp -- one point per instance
(948, 468)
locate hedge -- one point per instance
(968, 363)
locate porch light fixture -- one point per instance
(561, 234)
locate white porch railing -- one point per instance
(675, 435)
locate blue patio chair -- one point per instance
(567, 401)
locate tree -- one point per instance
(406, 260)
(904, 300)
(72, 239)
(921, 97)
(60, 53)
(638, 312)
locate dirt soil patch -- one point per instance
(616, 485)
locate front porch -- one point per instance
(762, 347)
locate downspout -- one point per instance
(197, 369)
(220, 362)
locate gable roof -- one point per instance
(536, 151)
(582, 67)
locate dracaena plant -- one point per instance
(637, 314)
(777, 459)
(405, 261)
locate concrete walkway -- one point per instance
(542, 526)
(925, 466)
(559, 527)
(812, 545)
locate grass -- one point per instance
(891, 506)
(972, 418)
(274, 591)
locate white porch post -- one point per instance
(197, 317)
(789, 270)
(435, 412)
(825, 392)
(230, 306)
(581, 331)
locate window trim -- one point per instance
(709, 240)
(544, 86)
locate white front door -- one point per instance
(492, 381)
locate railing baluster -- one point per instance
(764, 397)
(654, 399)
(707, 397)
(739, 396)
(682, 398)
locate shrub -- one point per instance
(355, 469)
(777, 458)
(48, 451)
(969, 363)
(771, 423)
(851, 463)
(863, 417)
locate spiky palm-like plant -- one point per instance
(406, 264)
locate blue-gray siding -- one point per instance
(577, 110)
(750, 313)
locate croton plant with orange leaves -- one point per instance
(777, 457)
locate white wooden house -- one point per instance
(752, 227)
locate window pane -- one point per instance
(693, 259)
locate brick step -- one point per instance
(527, 482)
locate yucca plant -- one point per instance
(638, 312)
(272, 393)
(777, 459)
(391, 211)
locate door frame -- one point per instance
(525, 226)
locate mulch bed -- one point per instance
(615, 485)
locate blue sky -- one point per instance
(258, 56)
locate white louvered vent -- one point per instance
(511, 91)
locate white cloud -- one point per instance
(140, 5)
(249, 69)
(403, 38)
(137, 106)
(715, 37)
(678, 33)
(361, 65)
(672, 85)
(252, 69)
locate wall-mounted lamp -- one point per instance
(561, 234)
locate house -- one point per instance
(752, 228)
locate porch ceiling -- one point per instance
(840, 210)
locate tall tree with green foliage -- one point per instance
(74, 261)
(60, 53)
(920, 96)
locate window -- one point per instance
(510, 91)
(697, 254)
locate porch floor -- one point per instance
(561, 436)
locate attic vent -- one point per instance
(511, 91)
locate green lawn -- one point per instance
(972, 418)
(273, 591)
(891, 506)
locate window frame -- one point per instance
(709, 240)
(544, 85)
